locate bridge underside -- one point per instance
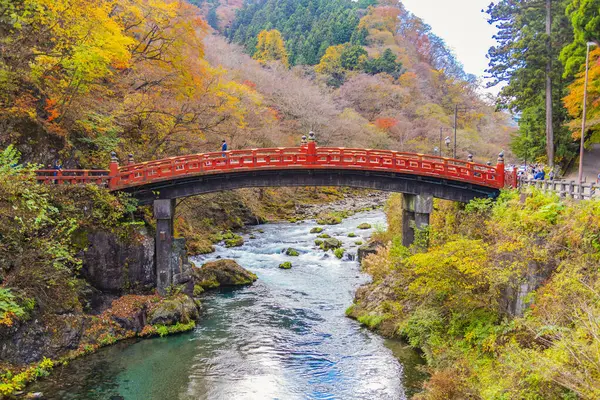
(377, 180)
(417, 205)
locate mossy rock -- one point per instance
(364, 225)
(324, 236)
(316, 229)
(318, 242)
(358, 242)
(352, 235)
(236, 241)
(173, 310)
(222, 273)
(285, 265)
(252, 237)
(329, 219)
(292, 252)
(339, 253)
(261, 231)
(330, 244)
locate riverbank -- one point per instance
(501, 301)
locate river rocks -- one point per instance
(364, 225)
(329, 219)
(352, 235)
(285, 265)
(329, 244)
(292, 252)
(339, 253)
(369, 248)
(236, 241)
(359, 202)
(323, 236)
(318, 242)
(179, 309)
(316, 229)
(222, 273)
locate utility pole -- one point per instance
(455, 120)
(549, 112)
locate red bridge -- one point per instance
(170, 173)
(419, 177)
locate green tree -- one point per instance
(521, 60)
(585, 18)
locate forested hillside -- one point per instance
(381, 69)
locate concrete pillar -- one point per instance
(416, 210)
(164, 212)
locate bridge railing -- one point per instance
(567, 189)
(308, 156)
(302, 157)
(73, 176)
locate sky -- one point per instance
(463, 27)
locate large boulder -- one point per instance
(222, 273)
(331, 243)
(178, 309)
(369, 248)
(114, 265)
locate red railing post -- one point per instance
(113, 171)
(311, 148)
(500, 173)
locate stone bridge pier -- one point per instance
(416, 211)
(171, 262)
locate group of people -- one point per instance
(537, 172)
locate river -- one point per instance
(285, 337)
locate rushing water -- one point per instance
(285, 337)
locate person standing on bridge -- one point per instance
(224, 148)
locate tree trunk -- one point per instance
(549, 114)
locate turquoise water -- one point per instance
(285, 337)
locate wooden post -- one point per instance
(500, 170)
(113, 171)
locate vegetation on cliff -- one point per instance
(48, 311)
(504, 304)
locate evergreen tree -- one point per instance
(520, 61)
(309, 27)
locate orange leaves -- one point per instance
(386, 124)
(51, 109)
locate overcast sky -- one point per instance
(463, 27)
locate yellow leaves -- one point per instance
(574, 100)
(270, 47)
(86, 40)
(331, 62)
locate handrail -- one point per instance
(305, 157)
